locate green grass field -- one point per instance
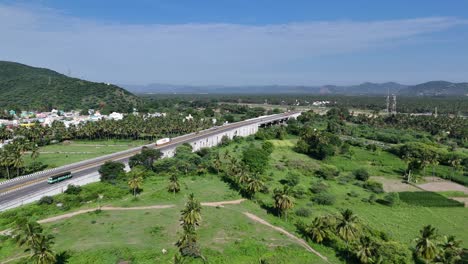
(226, 233)
(65, 153)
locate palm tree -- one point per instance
(5, 161)
(27, 233)
(318, 229)
(34, 151)
(283, 201)
(191, 213)
(135, 182)
(254, 185)
(17, 161)
(347, 226)
(42, 252)
(366, 250)
(450, 250)
(425, 246)
(174, 185)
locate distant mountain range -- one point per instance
(27, 87)
(433, 88)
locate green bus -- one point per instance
(59, 177)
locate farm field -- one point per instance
(77, 150)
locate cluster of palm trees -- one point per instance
(190, 220)
(247, 182)
(30, 235)
(430, 249)
(366, 248)
(130, 127)
(11, 156)
(346, 226)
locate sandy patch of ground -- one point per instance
(435, 184)
(394, 185)
(461, 199)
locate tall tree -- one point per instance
(426, 247)
(42, 251)
(174, 185)
(136, 180)
(367, 250)
(283, 200)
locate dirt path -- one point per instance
(222, 203)
(13, 259)
(112, 208)
(281, 230)
(104, 208)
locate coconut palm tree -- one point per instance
(347, 225)
(283, 201)
(42, 252)
(191, 214)
(17, 161)
(135, 182)
(34, 151)
(254, 185)
(174, 185)
(425, 244)
(318, 229)
(367, 250)
(451, 250)
(27, 233)
(5, 161)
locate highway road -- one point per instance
(14, 190)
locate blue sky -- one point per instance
(240, 42)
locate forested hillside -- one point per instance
(25, 87)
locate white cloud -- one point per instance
(189, 53)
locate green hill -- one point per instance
(436, 88)
(30, 88)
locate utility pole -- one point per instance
(394, 105)
(388, 104)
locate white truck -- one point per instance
(162, 141)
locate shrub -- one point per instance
(394, 252)
(292, 179)
(327, 172)
(324, 199)
(372, 199)
(303, 212)
(73, 189)
(46, 200)
(319, 187)
(299, 192)
(361, 174)
(392, 199)
(353, 194)
(373, 186)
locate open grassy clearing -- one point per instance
(73, 151)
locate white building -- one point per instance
(116, 116)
